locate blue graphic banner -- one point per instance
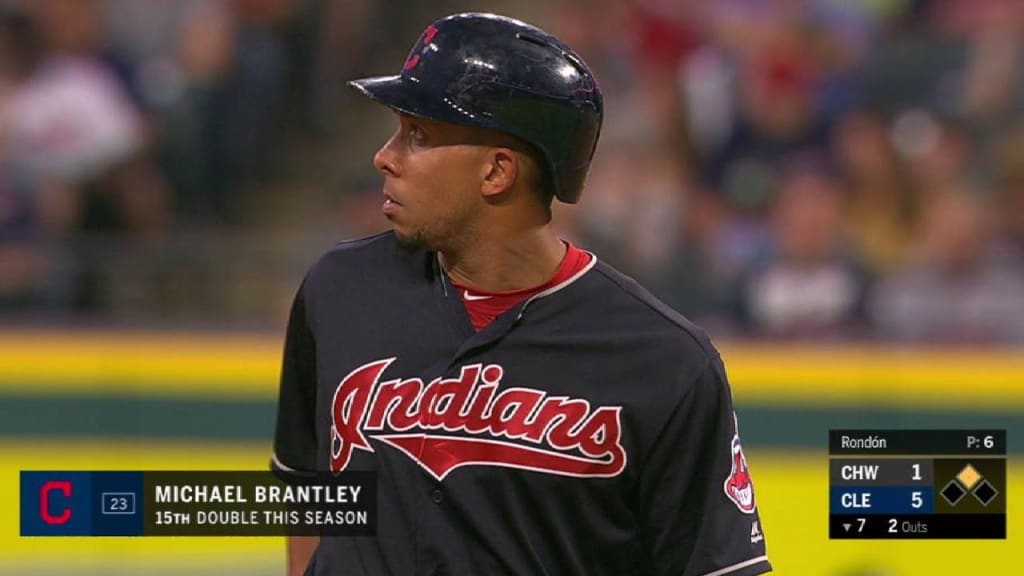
(195, 503)
(881, 500)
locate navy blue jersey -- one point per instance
(588, 430)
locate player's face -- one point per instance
(432, 175)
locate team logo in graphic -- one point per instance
(738, 486)
(472, 421)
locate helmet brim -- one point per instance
(405, 95)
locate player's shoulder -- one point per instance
(360, 248)
(363, 259)
(633, 304)
(367, 269)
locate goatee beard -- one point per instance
(412, 243)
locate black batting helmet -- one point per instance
(498, 73)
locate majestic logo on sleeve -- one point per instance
(738, 486)
(464, 421)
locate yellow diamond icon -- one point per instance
(968, 476)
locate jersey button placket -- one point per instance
(436, 495)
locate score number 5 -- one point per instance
(915, 499)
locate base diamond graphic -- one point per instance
(985, 493)
(969, 476)
(953, 493)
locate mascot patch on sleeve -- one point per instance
(738, 486)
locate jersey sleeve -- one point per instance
(295, 434)
(698, 511)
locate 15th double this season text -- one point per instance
(196, 504)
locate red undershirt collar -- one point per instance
(483, 307)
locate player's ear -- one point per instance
(499, 172)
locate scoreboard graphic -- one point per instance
(917, 484)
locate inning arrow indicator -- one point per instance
(847, 527)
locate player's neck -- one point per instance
(508, 261)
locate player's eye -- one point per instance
(416, 135)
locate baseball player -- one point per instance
(528, 409)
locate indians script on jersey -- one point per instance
(453, 422)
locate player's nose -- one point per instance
(385, 159)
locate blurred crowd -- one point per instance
(786, 169)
